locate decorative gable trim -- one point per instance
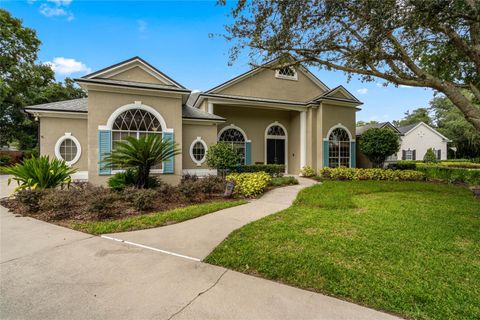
(430, 128)
(330, 95)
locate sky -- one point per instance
(79, 37)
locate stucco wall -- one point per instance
(207, 132)
(420, 139)
(51, 129)
(136, 74)
(102, 104)
(264, 84)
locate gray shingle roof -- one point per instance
(81, 105)
(405, 129)
(360, 130)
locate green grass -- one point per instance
(283, 181)
(153, 220)
(409, 248)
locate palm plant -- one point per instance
(39, 173)
(141, 154)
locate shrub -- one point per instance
(191, 189)
(430, 156)
(452, 175)
(128, 178)
(58, 203)
(5, 160)
(212, 185)
(40, 173)
(377, 144)
(307, 171)
(144, 199)
(102, 203)
(283, 181)
(274, 170)
(222, 156)
(249, 184)
(402, 165)
(370, 174)
(30, 198)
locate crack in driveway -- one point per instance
(198, 295)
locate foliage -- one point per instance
(413, 43)
(370, 174)
(377, 144)
(58, 203)
(143, 199)
(5, 160)
(430, 156)
(155, 219)
(39, 173)
(401, 247)
(403, 165)
(24, 82)
(451, 175)
(141, 154)
(274, 170)
(103, 204)
(249, 184)
(283, 181)
(222, 156)
(416, 116)
(30, 198)
(212, 185)
(307, 171)
(191, 188)
(128, 178)
(361, 123)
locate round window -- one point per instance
(198, 151)
(68, 149)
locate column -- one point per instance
(303, 139)
(210, 107)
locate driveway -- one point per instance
(50, 272)
(5, 189)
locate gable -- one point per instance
(423, 129)
(340, 93)
(137, 74)
(263, 83)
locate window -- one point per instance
(339, 148)
(286, 73)
(68, 149)
(198, 151)
(276, 130)
(236, 138)
(409, 155)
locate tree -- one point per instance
(430, 156)
(222, 156)
(377, 144)
(451, 123)
(416, 116)
(141, 154)
(420, 43)
(24, 82)
(361, 123)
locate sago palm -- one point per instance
(141, 154)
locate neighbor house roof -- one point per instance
(81, 105)
(361, 130)
(406, 129)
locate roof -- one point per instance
(329, 95)
(81, 105)
(136, 58)
(405, 129)
(361, 130)
(133, 84)
(245, 98)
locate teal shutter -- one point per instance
(248, 153)
(325, 153)
(104, 149)
(169, 164)
(353, 155)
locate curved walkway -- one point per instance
(196, 238)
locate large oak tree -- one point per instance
(421, 43)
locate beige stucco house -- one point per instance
(286, 116)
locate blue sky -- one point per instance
(83, 36)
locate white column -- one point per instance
(303, 139)
(210, 107)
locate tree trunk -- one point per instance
(470, 111)
(142, 180)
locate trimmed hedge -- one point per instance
(274, 170)
(250, 184)
(370, 174)
(402, 165)
(452, 175)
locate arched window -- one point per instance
(276, 130)
(339, 148)
(198, 151)
(135, 123)
(236, 138)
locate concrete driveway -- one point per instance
(50, 272)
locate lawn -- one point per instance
(408, 248)
(153, 220)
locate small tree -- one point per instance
(430, 156)
(377, 144)
(222, 156)
(142, 154)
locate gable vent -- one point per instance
(286, 73)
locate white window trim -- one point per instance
(407, 152)
(339, 125)
(135, 105)
(281, 76)
(285, 137)
(232, 126)
(198, 162)
(66, 136)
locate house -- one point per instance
(284, 116)
(416, 139)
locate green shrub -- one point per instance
(274, 170)
(5, 160)
(222, 156)
(212, 185)
(377, 144)
(144, 199)
(452, 175)
(250, 184)
(128, 178)
(370, 174)
(191, 188)
(307, 171)
(58, 203)
(30, 198)
(102, 203)
(430, 156)
(39, 173)
(283, 181)
(402, 165)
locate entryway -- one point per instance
(276, 144)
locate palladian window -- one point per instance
(236, 139)
(339, 149)
(135, 123)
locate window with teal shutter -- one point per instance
(325, 153)
(353, 156)
(104, 149)
(169, 165)
(248, 152)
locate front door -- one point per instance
(275, 151)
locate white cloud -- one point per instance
(57, 9)
(362, 91)
(67, 66)
(196, 90)
(61, 2)
(404, 86)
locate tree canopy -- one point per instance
(377, 144)
(415, 116)
(24, 82)
(421, 43)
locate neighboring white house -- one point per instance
(416, 139)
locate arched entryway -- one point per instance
(339, 141)
(276, 144)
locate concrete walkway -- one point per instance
(50, 272)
